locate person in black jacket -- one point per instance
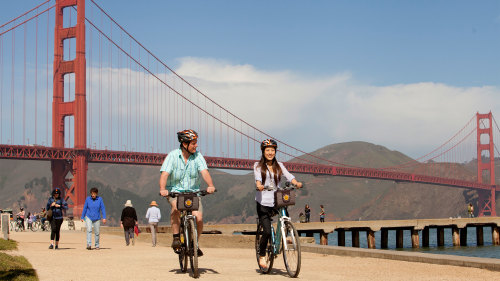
(56, 204)
(128, 222)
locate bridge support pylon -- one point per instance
(71, 176)
(486, 201)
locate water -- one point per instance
(471, 250)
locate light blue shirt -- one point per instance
(153, 214)
(182, 176)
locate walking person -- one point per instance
(153, 215)
(268, 172)
(322, 214)
(43, 218)
(307, 211)
(91, 214)
(56, 205)
(128, 221)
(470, 210)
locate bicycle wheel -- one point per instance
(193, 248)
(183, 255)
(291, 251)
(18, 227)
(269, 251)
(48, 227)
(34, 226)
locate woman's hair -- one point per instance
(275, 166)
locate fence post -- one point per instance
(5, 226)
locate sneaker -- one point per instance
(89, 248)
(57, 247)
(200, 253)
(51, 246)
(176, 243)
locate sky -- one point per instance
(403, 74)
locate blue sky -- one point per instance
(355, 69)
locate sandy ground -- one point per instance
(115, 261)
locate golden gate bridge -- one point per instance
(111, 100)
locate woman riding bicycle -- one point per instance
(268, 172)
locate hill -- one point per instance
(27, 183)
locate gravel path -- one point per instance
(115, 261)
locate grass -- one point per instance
(14, 267)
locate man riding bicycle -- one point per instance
(180, 172)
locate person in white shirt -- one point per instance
(268, 172)
(153, 215)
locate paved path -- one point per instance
(115, 261)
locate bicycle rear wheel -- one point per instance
(269, 250)
(34, 226)
(183, 255)
(18, 227)
(193, 248)
(291, 250)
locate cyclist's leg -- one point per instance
(199, 219)
(264, 213)
(175, 221)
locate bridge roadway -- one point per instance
(115, 261)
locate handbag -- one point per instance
(284, 197)
(49, 215)
(188, 202)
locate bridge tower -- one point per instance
(486, 202)
(70, 175)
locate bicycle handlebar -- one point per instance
(288, 185)
(199, 192)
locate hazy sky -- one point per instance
(403, 74)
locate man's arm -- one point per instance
(208, 179)
(163, 183)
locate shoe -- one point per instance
(262, 262)
(176, 243)
(200, 253)
(89, 248)
(51, 246)
(57, 247)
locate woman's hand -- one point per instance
(211, 189)
(260, 187)
(164, 192)
(299, 184)
(53, 204)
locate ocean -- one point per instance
(488, 250)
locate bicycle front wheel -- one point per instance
(18, 227)
(193, 249)
(291, 249)
(183, 255)
(34, 226)
(269, 250)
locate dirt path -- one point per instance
(115, 261)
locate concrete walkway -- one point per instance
(115, 261)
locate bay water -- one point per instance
(488, 250)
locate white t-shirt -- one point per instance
(266, 197)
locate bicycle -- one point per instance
(19, 225)
(46, 226)
(187, 202)
(285, 240)
(35, 226)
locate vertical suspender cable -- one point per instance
(12, 88)
(36, 76)
(24, 85)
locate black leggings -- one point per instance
(55, 224)
(265, 214)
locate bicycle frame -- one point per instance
(276, 237)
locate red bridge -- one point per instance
(114, 101)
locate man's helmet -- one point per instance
(268, 143)
(56, 191)
(187, 136)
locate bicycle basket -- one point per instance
(284, 198)
(188, 202)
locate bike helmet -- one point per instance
(187, 136)
(56, 191)
(268, 143)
